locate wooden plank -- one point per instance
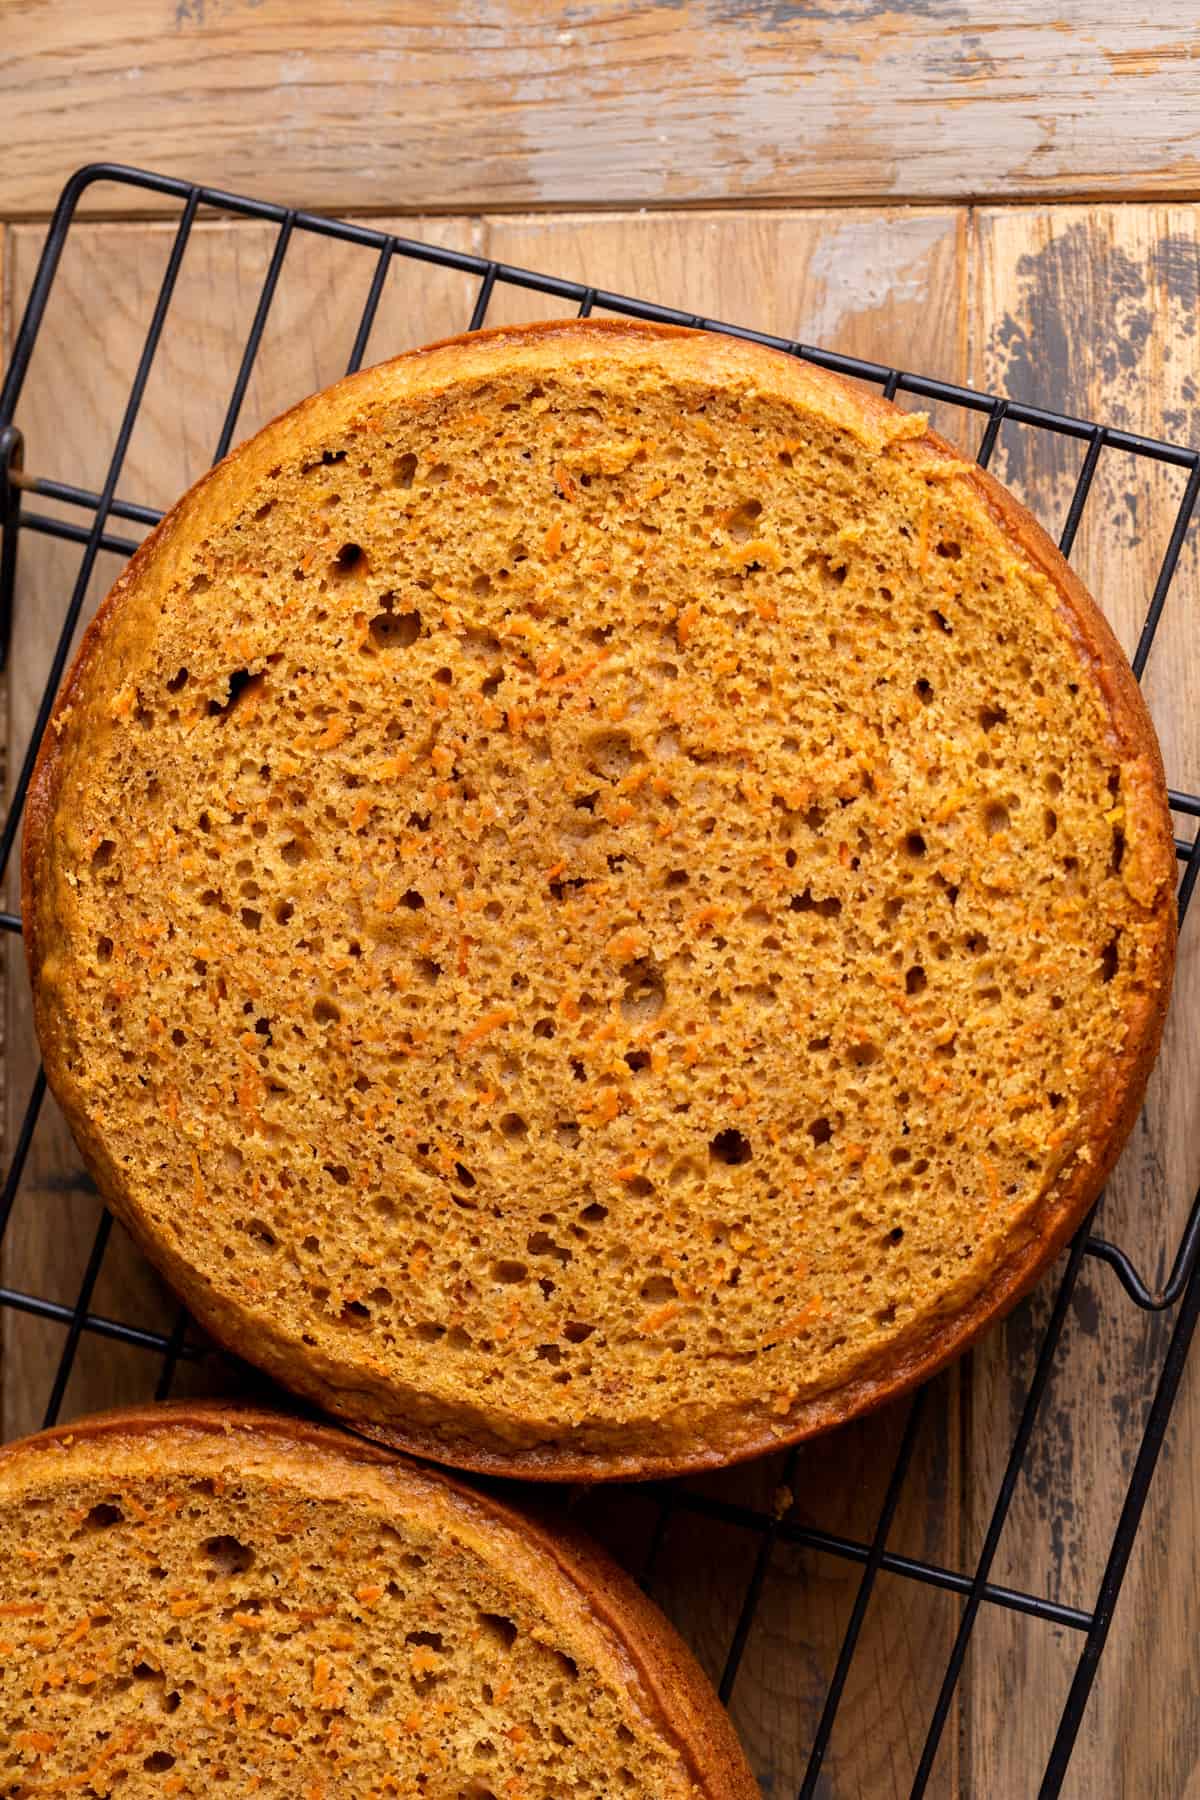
(883, 286)
(1094, 310)
(514, 103)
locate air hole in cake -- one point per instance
(339, 1173)
(864, 1053)
(820, 1131)
(512, 1125)
(828, 908)
(914, 844)
(403, 470)
(158, 1762)
(923, 690)
(540, 1243)
(251, 918)
(326, 1012)
(177, 681)
(102, 1516)
(645, 991)
(637, 1060)
(916, 980)
(498, 1629)
(104, 949)
(612, 754)
(463, 1175)
(508, 1272)
(103, 854)
(730, 1147)
(228, 1555)
(239, 684)
(996, 818)
(390, 630)
(742, 522)
(991, 716)
(351, 559)
(413, 900)
(1118, 850)
(1109, 959)
(355, 1314)
(577, 1332)
(941, 621)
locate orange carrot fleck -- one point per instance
(685, 621)
(624, 947)
(41, 1741)
(491, 1021)
(662, 1315)
(552, 542)
(333, 734)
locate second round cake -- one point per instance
(598, 900)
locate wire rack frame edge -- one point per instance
(1179, 1292)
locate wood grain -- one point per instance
(889, 286)
(477, 104)
(1094, 310)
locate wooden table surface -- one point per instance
(1005, 202)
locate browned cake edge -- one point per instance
(671, 1686)
(1118, 1090)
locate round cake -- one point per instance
(194, 1597)
(598, 900)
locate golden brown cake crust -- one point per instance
(666, 1678)
(114, 640)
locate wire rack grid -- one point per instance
(1179, 1294)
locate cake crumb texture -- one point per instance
(598, 899)
(200, 1600)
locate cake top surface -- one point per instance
(198, 1595)
(599, 899)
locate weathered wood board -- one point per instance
(418, 106)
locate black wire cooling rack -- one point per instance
(771, 1530)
